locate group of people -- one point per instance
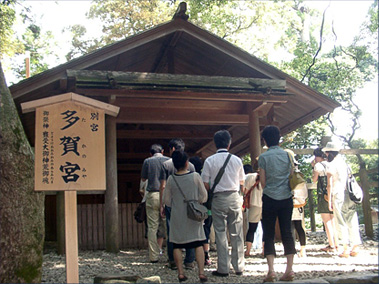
(338, 211)
(173, 181)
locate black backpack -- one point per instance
(322, 182)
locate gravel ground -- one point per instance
(317, 264)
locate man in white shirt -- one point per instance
(226, 204)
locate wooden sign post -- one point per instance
(70, 156)
(71, 237)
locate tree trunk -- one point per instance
(21, 209)
(365, 184)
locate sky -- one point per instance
(347, 16)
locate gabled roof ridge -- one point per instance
(159, 31)
(77, 61)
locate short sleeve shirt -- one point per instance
(320, 168)
(338, 169)
(151, 168)
(256, 193)
(233, 176)
(277, 166)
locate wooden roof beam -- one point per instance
(244, 140)
(163, 134)
(141, 80)
(198, 152)
(213, 95)
(165, 51)
(183, 118)
(302, 121)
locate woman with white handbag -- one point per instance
(344, 209)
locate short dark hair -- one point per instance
(248, 169)
(155, 148)
(197, 162)
(332, 155)
(179, 158)
(176, 143)
(319, 153)
(271, 134)
(222, 139)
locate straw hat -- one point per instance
(331, 146)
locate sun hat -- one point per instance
(331, 146)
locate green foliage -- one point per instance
(373, 18)
(7, 18)
(371, 162)
(307, 136)
(337, 74)
(234, 21)
(246, 160)
(39, 45)
(80, 44)
(120, 19)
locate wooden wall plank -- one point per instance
(84, 226)
(120, 236)
(129, 232)
(124, 226)
(100, 215)
(91, 227)
(95, 226)
(80, 229)
(134, 224)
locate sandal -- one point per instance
(271, 277)
(328, 249)
(203, 278)
(247, 254)
(182, 278)
(289, 277)
(344, 255)
(353, 253)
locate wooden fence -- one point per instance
(91, 227)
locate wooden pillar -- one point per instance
(254, 137)
(111, 194)
(366, 206)
(60, 223)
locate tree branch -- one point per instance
(319, 47)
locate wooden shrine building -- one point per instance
(174, 80)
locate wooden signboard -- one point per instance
(69, 147)
(70, 156)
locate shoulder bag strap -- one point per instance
(185, 199)
(292, 163)
(220, 173)
(254, 186)
(349, 173)
(324, 167)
